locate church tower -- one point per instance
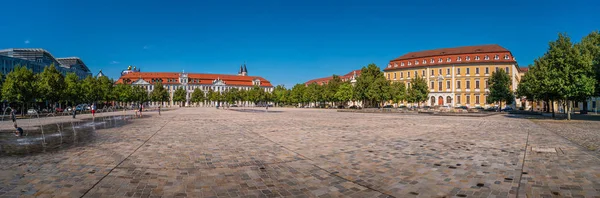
(245, 71)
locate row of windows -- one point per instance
(203, 88)
(448, 60)
(468, 99)
(458, 72)
(458, 84)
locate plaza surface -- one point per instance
(205, 152)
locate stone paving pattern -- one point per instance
(205, 152)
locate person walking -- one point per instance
(141, 109)
(13, 116)
(93, 108)
(158, 109)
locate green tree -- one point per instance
(418, 90)
(105, 86)
(19, 86)
(313, 93)
(159, 93)
(179, 95)
(197, 96)
(123, 93)
(529, 86)
(398, 92)
(297, 94)
(345, 93)
(210, 95)
(279, 95)
(72, 92)
(242, 96)
(500, 83)
(256, 95)
(371, 86)
(50, 85)
(91, 90)
(139, 94)
(331, 88)
(231, 96)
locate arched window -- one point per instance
(448, 99)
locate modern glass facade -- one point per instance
(37, 59)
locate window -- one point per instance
(457, 99)
(468, 99)
(408, 85)
(459, 59)
(468, 84)
(458, 84)
(476, 99)
(395, 64)
(432, 85)
(487, 70)
(432, 73)
(487, 57)
(458, 71)
(487, 84)
(593, 104)
(394, 75)
(440, 86)
(401, 74)
(409, 63)
(416, 62)
(468, 58)
(477, 84)
(477, 70)
(506, 69)
(432, 60)
(423, 73)
(402, 64)
(496, 57)
(440, 60)
(416, 74)
(496, 69)
(468, 71)
(388, 76)
(448, 71)
(449, 59)
(476, 57)
(447, 84)
(408, 74)
(506, 57)
(424, 61)
(440, 71)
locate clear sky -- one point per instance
(287, 42)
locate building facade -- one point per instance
(455, 76)
(192, 81)
(36, 59)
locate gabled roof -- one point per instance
(205, 79)
(327, 79)
(454, 51)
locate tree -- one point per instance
(50, 85)
(231, 95)
(105, 86)
(529, 86)
(123, 93)
(500, 83)
(256, 94)
(19, 86)
(313, 93)
(279, 95)
(297, 94)
(331, 88)
(159, 93)
(197, 96)
(345, 93)
(418, 90)
(91, 90)
(139, 95)
(72, 92)
(398, 92)
(589, 48)
(179, 95)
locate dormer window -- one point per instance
(424, 61)
(389, 65)
(459, 59)
(487, 57)
(440, 60)
(496, 57)
(468, 58)
(449, 59)
(476, 57)
(257, 82)
(402, 64)
(409, 63)
(505, 57)
(395, 64)
(432, 60)
(416, 62)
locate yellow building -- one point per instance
(456, 76)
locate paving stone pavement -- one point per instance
(205, 152)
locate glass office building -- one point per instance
(36, 59)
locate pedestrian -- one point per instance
(141, 109)
(19, 131)
(13, 116)
(159, 110)
(93, 108)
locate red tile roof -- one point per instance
(523, 69)
(325, 80)
(505, 56)
(204, 79)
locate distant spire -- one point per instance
(245, 69)
(241, 69)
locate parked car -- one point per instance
(354, 107)
(233, 105)
(388, 106)
(31, 111)
(507, 109)
(462, 107)
(58, 109)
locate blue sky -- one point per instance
(287, 42)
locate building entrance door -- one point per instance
(441, 101)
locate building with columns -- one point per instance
(456, 76)
(191, 81)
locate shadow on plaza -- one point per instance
(557, 116)
(255, 110)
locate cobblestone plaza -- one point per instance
(205, 152)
